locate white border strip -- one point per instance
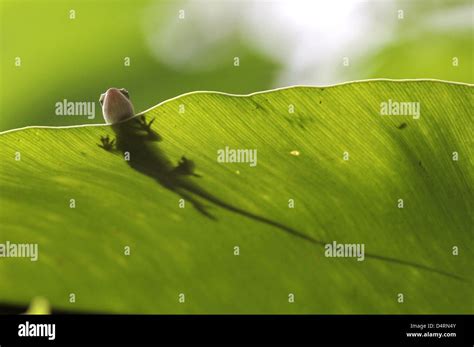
(246, 95)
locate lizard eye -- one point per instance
(101, 99)
(125, 92)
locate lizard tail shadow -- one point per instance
(145, 156)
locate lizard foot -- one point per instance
(146, 126)
(106, 143)
(186, 167)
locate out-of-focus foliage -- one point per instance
(77, 59)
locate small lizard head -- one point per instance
(116, 105)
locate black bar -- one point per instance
(261, 329)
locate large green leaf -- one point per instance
(300, 156)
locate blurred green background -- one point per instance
(181, 46)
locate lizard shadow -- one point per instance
(138, 141)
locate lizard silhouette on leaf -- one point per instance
(134, 134)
